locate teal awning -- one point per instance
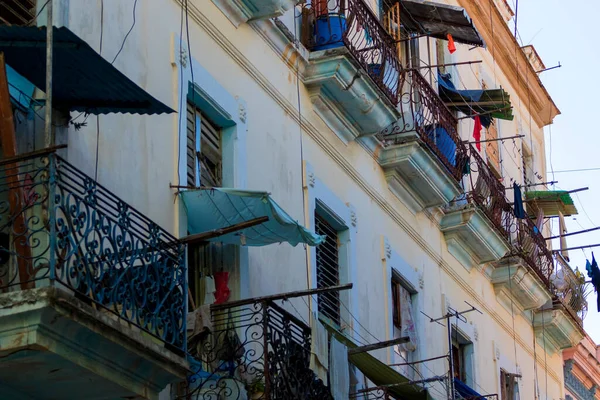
(218, 208)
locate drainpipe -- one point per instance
(48, 134)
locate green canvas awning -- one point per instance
(218, 208)
(378, 372)
(551, 202)
(493, 102)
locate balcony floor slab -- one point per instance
(346, 98)
(65, 348)
(416, 176)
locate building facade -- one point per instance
(392, 150)
(581, 370)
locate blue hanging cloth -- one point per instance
(518, 204)
(594, 273)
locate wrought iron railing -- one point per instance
(570, 290)
(59, 227)
(487, 192)
(530, 244)
(328, 24)
(254, 350)
(424, 112)
(375, 393)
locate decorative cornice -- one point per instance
(237, 56)
(576, 386)
(512, 60)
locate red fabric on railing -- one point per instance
(477, 132)
(223, 292)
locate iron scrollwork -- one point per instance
(60, 226)
(253, 351)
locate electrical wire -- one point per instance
(127, 35)
(34, 20)
(98, 116)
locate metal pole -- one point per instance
(450, 362)
(48, 134)
(577, 248)
(573, 233)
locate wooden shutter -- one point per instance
(491, 148)
(211, 159)
(191, 146)
(391, 21)
(396, 310)
(17, 12)
(328, 271)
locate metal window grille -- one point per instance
(17, 12)
(396, 306)
(207, 158)
(328, 270)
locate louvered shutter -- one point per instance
(191, 146)
(328, 270)
(211, 158)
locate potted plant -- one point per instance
(256, 389)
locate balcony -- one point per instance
(477, 225)
(423, 156)
(240, 11)
(92, 293)
(559, 324)
(353, 72)
(268, 360)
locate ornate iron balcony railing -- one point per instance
(255, 350)
(531, 246)
(424, 112)
(59, 227)
(327, 24)
(374, 393)
(485, 191)
(570, 290)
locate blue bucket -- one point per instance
(329, 31)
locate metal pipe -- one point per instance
(494, 140)
(48, 134)
(573, 233)
(576, 248)
(451, 64)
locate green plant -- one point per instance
(257, 386)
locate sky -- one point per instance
(560, 32)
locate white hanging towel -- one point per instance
(339, 372)
(209, 290)
(319, 355)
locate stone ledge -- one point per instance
(52, 330)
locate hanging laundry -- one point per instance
(594, 273)
(319, 357)
(222, 290)
(477, 132)
(339, 373)
(518, 202)
(368, 37)
(451, 44)
(209, 289)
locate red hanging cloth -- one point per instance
(222, 292)
(451, 45)
(477, 132)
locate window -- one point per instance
(204, 150)
(328, 269)
(458, 359)
(462, 357)
(17, 12)
(403, 323)
(509, 387)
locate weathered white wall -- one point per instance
(138, 161)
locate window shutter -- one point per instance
(396, 304)
(191, 145)
(211, 159)
(328, 269)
